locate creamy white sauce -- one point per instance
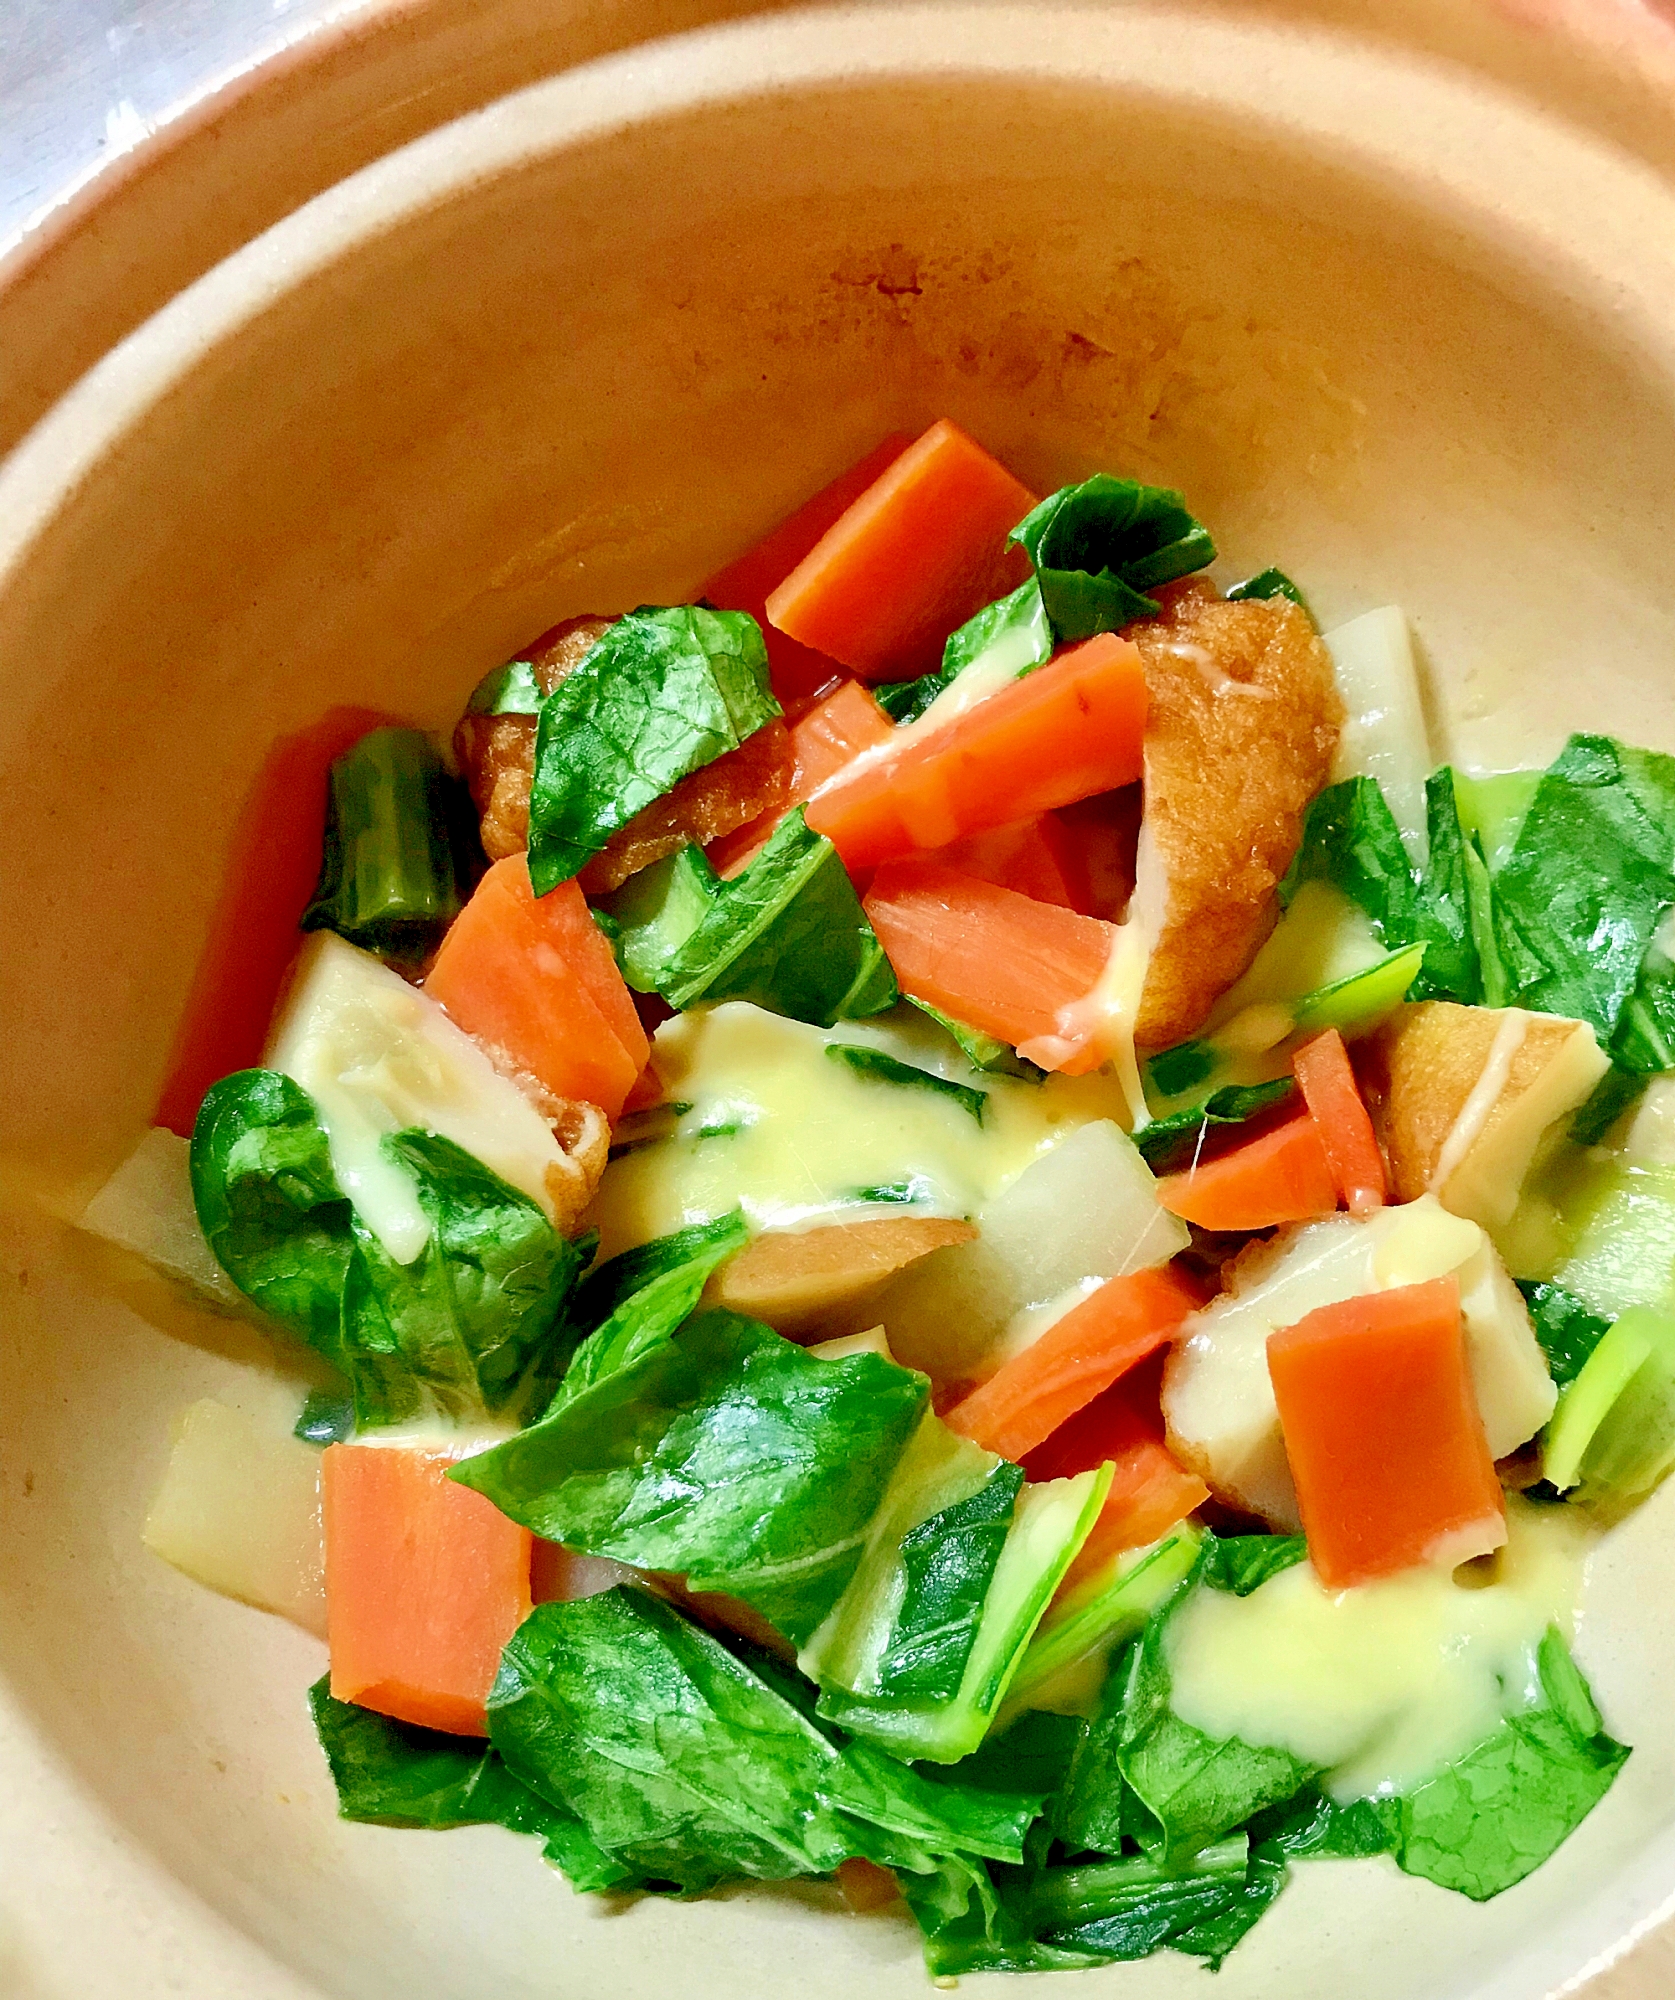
(1384, 1684)
(1322, 938)
(809, 1132)
(1485, 1094)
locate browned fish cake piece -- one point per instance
(497, 755)
(1429, 1061)
(1240, 733)
(797, 1280)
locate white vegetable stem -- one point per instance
(1384, 735)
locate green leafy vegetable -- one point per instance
(667, 1277)
(909, 1615)
(1048, 1526)
(1011, 633)
(466, 1326)
(1492, 808)
(1243, 1563)
(1580, 898)
(916, 1188)
(690, 1761)
(723, 1452)
(947, 1564)
(1567, 1331)
(905, 701)
(328, 1417)
(395, 1774)
(789, 934)
(654, 913)
(387, 878)
(1616, 1090)
(1069, 1657)
(882, 1068)
(1196, 1787)
(1182, 1080)
(662, 693)
(1269, 583)
(1614, 1429)
(612, 1284)
(1351, 840)
(1018, 624)
(1000, 1919)
(1173, 1141)
(508, 690)
(1099, 547)
(1504, 1807)
(984, 1053)
(269, 1204)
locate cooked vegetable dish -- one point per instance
(959, 1228)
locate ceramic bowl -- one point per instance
(1386, 323)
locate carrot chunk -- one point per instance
(921, 551)
(1150, 1492)
(823, 739)
(425, 1582)
(865, 1886)
(253, 937)
(1069, 730)
(1280, 1176)
(533, 977)
(1384, 1436)
(1334, 1099)
(1026, 1400)
(1001, 962)
(798, 671)
(1037, 857)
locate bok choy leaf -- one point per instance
(787, 933)
(387, 876)
(462, 1327)
(663, 692)
(396, 1774)
(1099, 547)
(690, 1761)
(722, 1452)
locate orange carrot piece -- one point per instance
(648, 1090)
(1280, 1176)
(533, 977)
(1079, 1356)
(865, 1886)
(1384, 1435)
(922, 550)
(1334, 1099)
(1150, 1492)
(1001, 962)
(253, 935)
(823, 739)
(1104, 835)
(1037, 857)
(425, 1582)
(798, 672)
(1065, 732)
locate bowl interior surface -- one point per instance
(570, 355)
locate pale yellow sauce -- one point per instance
(811, 1133)
(1385, 1684)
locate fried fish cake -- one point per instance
(1242, 726)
